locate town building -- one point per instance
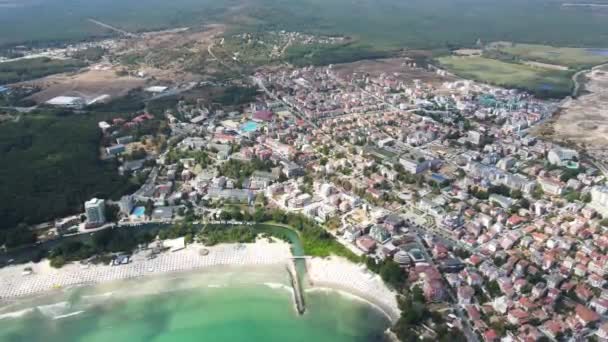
(95, 212)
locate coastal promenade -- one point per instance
(15, 283)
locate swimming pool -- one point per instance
(249, 126)
(139, 212)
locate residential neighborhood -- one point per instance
(441, 176)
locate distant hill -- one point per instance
(389, 24)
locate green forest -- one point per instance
(50, 166)
(385, 24)
(31, 68)
(304, 55)
(436, 24)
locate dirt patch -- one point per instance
(175, 56)
(166, 58)
(88, 84)
(468, 52)
(178, 38)
(546, 65)
(583, 121)
(400, 68)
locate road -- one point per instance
(466, 325)
(601, 166)
(577, 85)
(113, 28)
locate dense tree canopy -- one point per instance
(50, 166)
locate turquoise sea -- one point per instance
(230, 305)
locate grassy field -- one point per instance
(570, 57)
(542, 82)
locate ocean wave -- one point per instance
(70, 314)
(97, 296)
(279, 286)
(54, 310)
(342, 293)
(16, 314)
(319, 289)
(352, 297)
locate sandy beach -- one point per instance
(14, 283)
(344, 276)
(329, 274)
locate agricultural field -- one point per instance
(540, 81)
(574, 58)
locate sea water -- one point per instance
(230, 306)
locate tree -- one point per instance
(259, 215)
(460, 173)
(572, 196)
(494, 289)
(16, 237)
(112, 212)
(524, 203)
(517, 194)
(586, 197)
(225, 215)
(149, 208)
(418, 294)
(278, 216)
(538, 193)
(372, 265)
(236, 214)
(58, 261)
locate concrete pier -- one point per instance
(297, 290)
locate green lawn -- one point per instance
(566, 56)
(542, 82)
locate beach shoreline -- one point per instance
(350, 293)
(45, 279)
(345, 277)
(261, 263)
